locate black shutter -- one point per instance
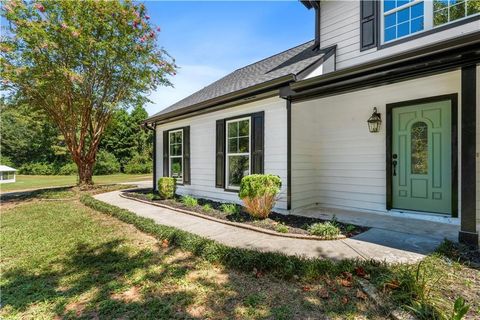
(165, 154)
(186, 155)
(258, 142)
(220, 155)
(368, 24)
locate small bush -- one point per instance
(230, 208)
(189, 201)
(326, 229)
(140, 163)
(106, 163)
(152, 196)
(6, 161)
(167, 187)
(38, 168)
(207, 207)
(281, 228)
(259, 193)
(350, 228)
(68, 169)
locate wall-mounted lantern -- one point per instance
(375, 121)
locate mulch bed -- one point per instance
(295, 224)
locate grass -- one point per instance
(65, 260)
(25, 182)
(62, 259)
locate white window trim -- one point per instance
(427, 19)
(170, 157)
(228, 154)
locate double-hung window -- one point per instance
(175, 143)
(402, 18)
(238, 151)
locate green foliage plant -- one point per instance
(207, 207)
(282, 228)
(326, 229)
(106, 163)
(189, 201)
(167, 187)
(140, 163)
(259, 193)
(230, 208)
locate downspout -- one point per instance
(316, 45)
(152, 128)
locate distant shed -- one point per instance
(7, 174)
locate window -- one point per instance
(445, 11)
(401, 18)
(419, 146)
(175, 142)
(238, 151)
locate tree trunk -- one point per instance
(85, 173)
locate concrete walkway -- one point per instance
(378, 244)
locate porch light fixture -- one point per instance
(375, 121)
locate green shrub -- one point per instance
(230, 208)
(326, 229)
(350, 228)
(281, 228)
(152, 196)
(6, 161)
(207, 207)
(140, 163)
(68, 169)
(167, 187)
(259, 193)
(37, 168)
(189, 201)
(106, 163)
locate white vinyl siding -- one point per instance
(336, 161)
(202, 148)
(340, 25)
(478, 148)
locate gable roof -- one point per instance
(4, 168)
(286, 64)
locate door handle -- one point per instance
(394, 162)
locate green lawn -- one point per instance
(31, 182)
(61, 259)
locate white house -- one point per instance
(302, 114)
(7, 174)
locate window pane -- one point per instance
(243, 145)
(457, 11)
(416, 25)
(390, 34)
(238, 167)
(176, 170)
(416, 10)
(419, 146)
(388, 5)
(473, 7)
(440, 17)
(232, 145)
(402, 29)
(403, 15)
(390, 20)
(402, 2)
(233, 129)
(244, 127)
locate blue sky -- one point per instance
(210, 39)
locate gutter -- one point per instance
(243, 93)
(369, 67)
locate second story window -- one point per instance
(402, 18)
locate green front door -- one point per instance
(421, 157)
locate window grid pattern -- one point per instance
(402, 17)
(175, 141)
(445, 11)
(238, 151)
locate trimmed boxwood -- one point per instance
(167, 187)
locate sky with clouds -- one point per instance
(211, 39)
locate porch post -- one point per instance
(154, 157)
(468, 230)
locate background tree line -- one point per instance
(34, 145)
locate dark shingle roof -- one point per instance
(290, 62)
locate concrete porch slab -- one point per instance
(385, 221)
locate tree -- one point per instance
(79, 61)
(124, 136)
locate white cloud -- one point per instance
(189, 79)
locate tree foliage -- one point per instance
(78, 62)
